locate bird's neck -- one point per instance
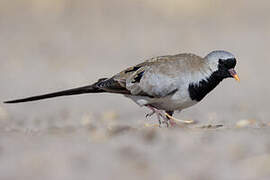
(198, 91)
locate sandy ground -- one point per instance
(47, 46)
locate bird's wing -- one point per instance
(155, 77)
(118, 83)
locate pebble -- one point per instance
(245, 123)
(110, 115)
(3, 113)
(86, 119)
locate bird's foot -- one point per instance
(161, 118)
(174, 121)
(165, 118)
(159, 114)
(150, 114)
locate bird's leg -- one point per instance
(177, 120)
(167, 117)
(159, 114)
(151, 113)
(159, 121)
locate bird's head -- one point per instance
(223, 63)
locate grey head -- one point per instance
(219, 54)
(222, 62)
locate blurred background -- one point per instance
(52, 45)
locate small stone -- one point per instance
(149, 135)
(245, 123)
(98, 135)
(3, 114)
(86, 119)
(210, 126)
(150, 125)
(110, 115)
(116, 130)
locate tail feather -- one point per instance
(81, 90)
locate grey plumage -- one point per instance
(165, 82)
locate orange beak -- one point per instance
(234, 74)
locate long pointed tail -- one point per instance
(81, 90)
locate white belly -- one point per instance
(178, 101)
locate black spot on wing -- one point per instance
(138, 77)
(110, 85)
(172, 92)
(135, 68)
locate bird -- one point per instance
(164, 84)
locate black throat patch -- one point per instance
(198, 91)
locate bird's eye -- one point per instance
(228, 63)
(221, 62)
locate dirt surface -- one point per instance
(51, 45)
